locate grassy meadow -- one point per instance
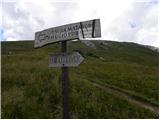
(30, 89)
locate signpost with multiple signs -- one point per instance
(86, 29)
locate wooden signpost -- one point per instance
(86, 29)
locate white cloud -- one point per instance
(21, 19)
(122, 20)
(137, 24)
(11, 39)
(149, 36)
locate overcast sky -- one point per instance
(121, 20)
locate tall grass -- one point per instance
(32, 90)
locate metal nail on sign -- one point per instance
(65, 60)
(89, 29)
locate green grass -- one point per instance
(30, 89)
(91, 102)
(139, 79)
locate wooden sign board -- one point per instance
(88, 29)
(65, 60)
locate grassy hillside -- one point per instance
(110, 71)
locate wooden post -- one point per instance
(65, 85)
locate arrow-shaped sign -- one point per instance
(65, 60)
(89, 29)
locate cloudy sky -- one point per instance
(121, 20)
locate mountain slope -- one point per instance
(32, 90)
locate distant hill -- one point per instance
(116, 80)
(116, 50)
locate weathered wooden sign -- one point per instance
(65, 60)
(88, 29)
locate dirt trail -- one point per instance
(127, 97)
